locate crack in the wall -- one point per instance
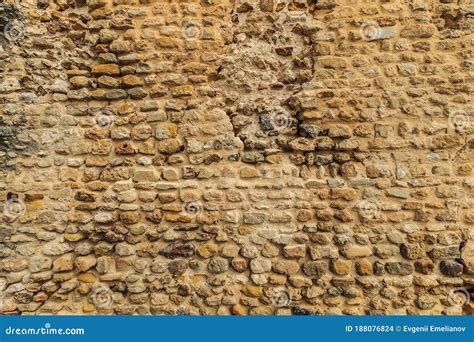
(262, 72)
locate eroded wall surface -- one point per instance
(236, 157)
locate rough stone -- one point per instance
(451, 268)
(399, 268)
(315, 269)
(356, 252)
(178, 250)
(260, 265)
(286, 267)
(412, 251)
(295, 251)
(83, 264)
(341, 267)
(218, 265)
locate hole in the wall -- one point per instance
(266, 84)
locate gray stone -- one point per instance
(399, 268)
(178, 250)
(311, 131)
(451, 268)
(218, 265)
(253, 157)
(315, 269)
(266, 122)
(178, 267)
(398, 193)
(254, 218)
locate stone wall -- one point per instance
(236, 157)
